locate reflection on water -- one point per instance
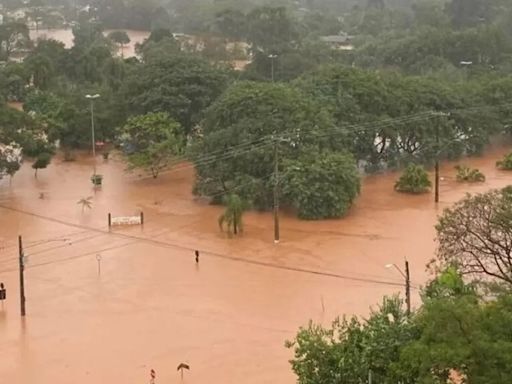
(153, 307)
(66, 37)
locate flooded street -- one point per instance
(150, 306)
(66, 36)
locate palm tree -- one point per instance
(86, 202)
(232, 216)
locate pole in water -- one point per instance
(98, 258)
(22, 276)
(197, 256)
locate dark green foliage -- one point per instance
(254, 113)
(181, 85)
(321, 186)
(414, 179)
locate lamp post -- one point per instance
(272, 57)
(407, 278)
(92, 98)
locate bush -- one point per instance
(413, 180)
(466, 174)
(506, 163)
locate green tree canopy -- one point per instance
(151, 141)
(181, 85)
(253, 113)
(321, 185)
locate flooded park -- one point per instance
(107, 306)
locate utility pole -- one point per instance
(276, 192)
(436, 198)
(407, 276)
(407, 288)
(22, 276)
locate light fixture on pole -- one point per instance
(407, 277)
(92, 98)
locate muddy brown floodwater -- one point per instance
(152, 307)
(66, 36)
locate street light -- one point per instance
(407, 278)
(92, 98)
(272, 57)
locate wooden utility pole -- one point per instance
(276, 193)
(22, 276)
(407, 288)
(436, 198)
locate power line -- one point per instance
(212, 254)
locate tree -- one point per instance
(41, 69)
(348, 350)
(20, 135)
(13, 36)
(476, 236)
(270, 30)
(460, 335)
(10, 159)
(232, 216)
(41, 162)
(238, 133)
(466, 13)
(455, 336)
(413, 180)
(85, 202)
(231, 23)
(121, 38)
(181, 85)
(321, 185)
(151, 141)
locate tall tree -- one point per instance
(181, 85)
(121, 38)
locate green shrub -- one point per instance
(466, 174)
(506, 163)
(413, 180)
